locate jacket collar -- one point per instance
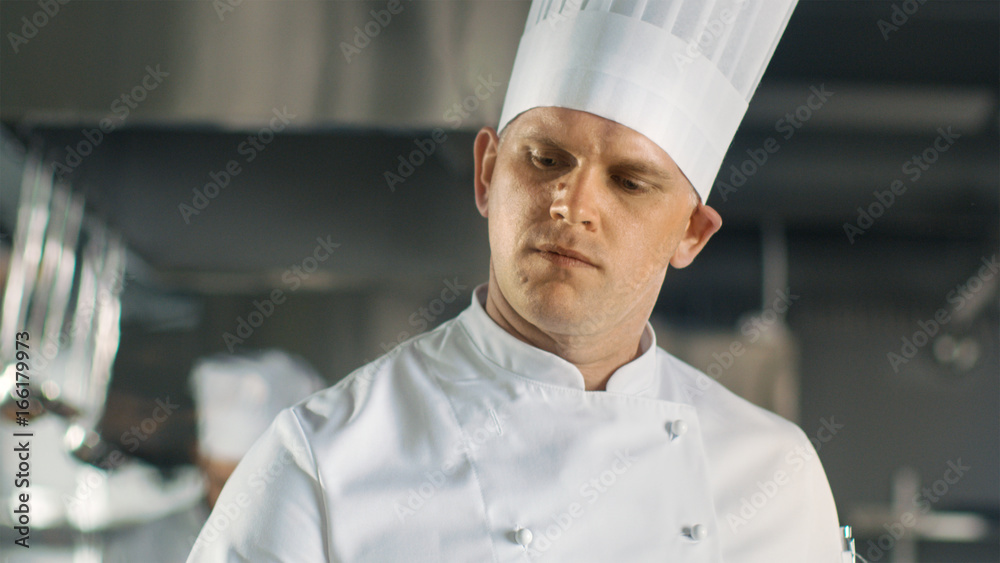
(638, 377)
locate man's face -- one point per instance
(585, 215)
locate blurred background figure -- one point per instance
(237, 397)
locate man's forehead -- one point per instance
(558, 119)
(576, 130)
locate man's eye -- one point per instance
(629, 185)
(544, 161)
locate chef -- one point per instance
(237, 397)
(544, 423)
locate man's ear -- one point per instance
(485, 155)
(704, 222)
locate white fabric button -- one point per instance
(696, 532)
(677, 428)
(522, 536)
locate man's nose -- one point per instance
(576, 198)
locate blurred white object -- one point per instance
(681, 72)
(237, 397)
(68, 493)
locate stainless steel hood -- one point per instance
(419, 64)
(379, 64)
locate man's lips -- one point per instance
(565, 256)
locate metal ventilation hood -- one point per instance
(231, 62)
(420, 64)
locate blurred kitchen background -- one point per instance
(867, 316)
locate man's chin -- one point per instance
(558, 305)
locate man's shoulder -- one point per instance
(377, 384)
(719, 409)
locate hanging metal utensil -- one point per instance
(48, 264)
(62, 284)
(29, 235)
(107, 330)
(77, 374)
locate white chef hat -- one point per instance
(237, 397)
(681, 72)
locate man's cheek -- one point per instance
(651, 268)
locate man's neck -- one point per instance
(597, 356)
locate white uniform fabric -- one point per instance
(444, 448)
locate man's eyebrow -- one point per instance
(542, 139)
(643, 168)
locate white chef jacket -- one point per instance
(463, 441)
